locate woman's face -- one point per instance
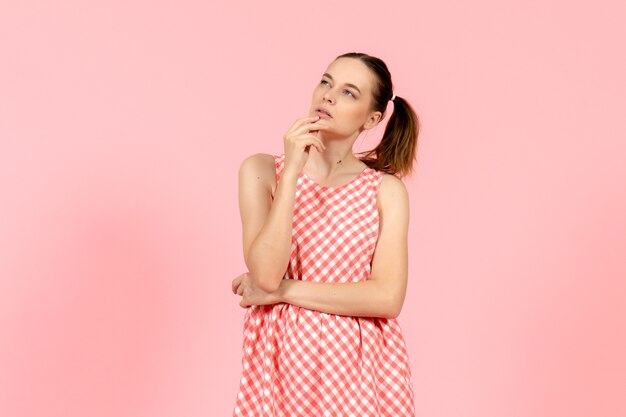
(345, 92)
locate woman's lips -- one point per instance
(322, 115)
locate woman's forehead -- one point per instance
(353, 71)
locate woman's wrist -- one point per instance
(290, 174)
(282, 289)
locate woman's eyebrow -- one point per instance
(348, 84)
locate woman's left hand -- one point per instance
(251, 294)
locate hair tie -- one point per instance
(394, 96)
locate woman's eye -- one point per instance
(324, 82)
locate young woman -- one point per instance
(325, 243)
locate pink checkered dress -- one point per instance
(306, 363)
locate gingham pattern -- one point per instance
(305, 363)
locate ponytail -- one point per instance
(398, 147)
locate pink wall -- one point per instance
(122, 127)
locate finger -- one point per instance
(310, 127)
(299, 122)
(315, 141)
(309, 118)
(235, 283)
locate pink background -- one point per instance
(122, 127)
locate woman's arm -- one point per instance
(383, 293)
(267, 221)
(266, 224)
(359, 299)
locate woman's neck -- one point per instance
(333, 160)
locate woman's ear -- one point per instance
(372, 120)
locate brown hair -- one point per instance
(397, 149)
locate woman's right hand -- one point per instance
(298, 141)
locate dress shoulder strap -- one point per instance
(373, 179)
(279, 162)
(377, 179)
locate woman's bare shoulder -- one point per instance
(392, 193)
(259, 161)
(259, 166)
